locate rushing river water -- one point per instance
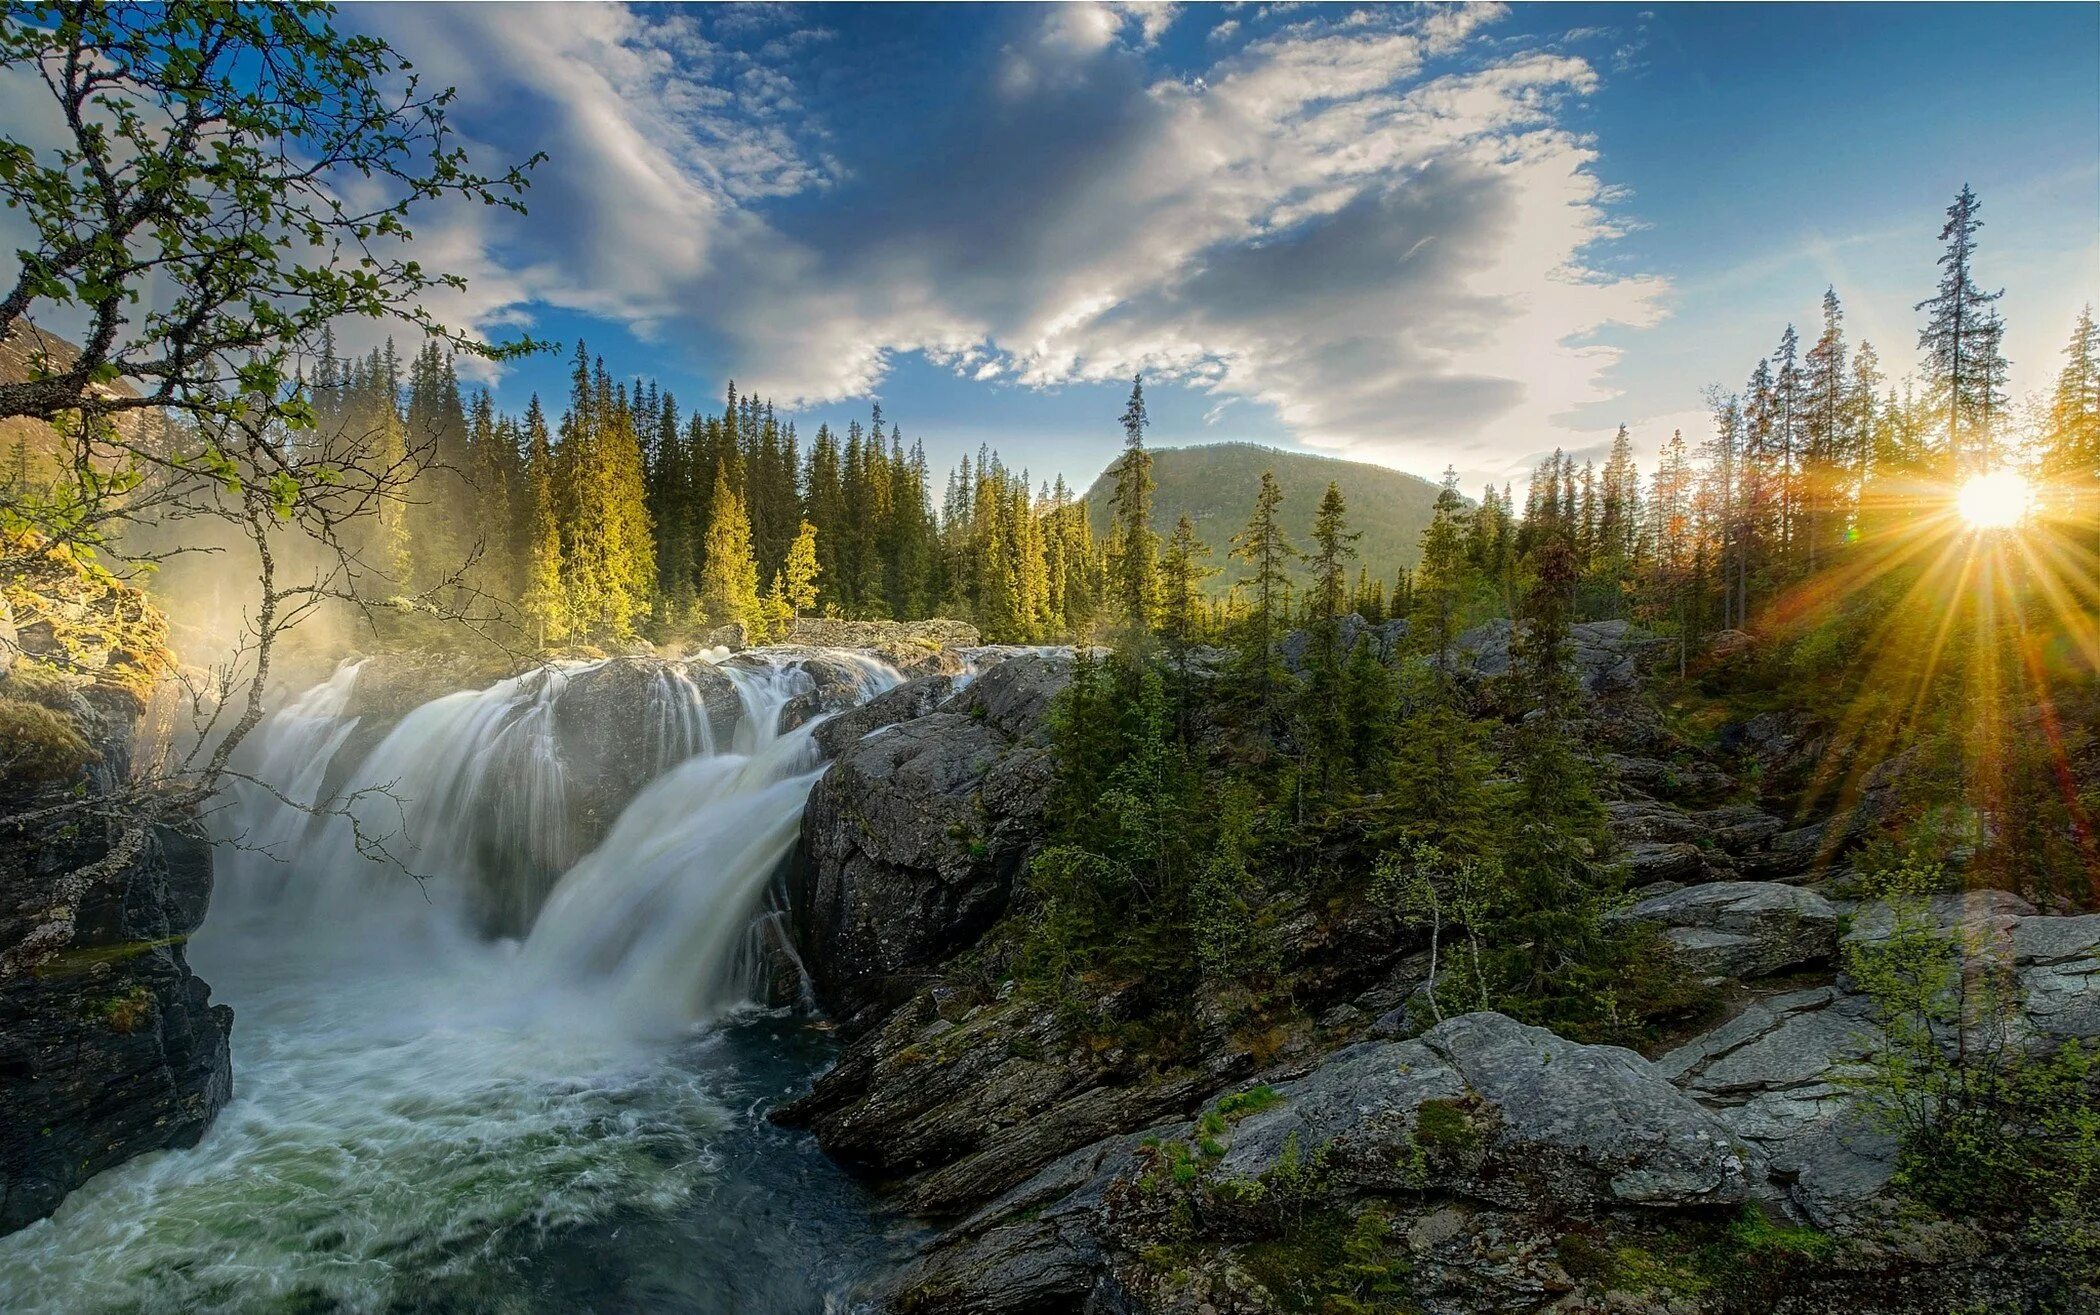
(428, 1119)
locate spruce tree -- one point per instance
(799, 576)
(1267, 551)
(1960, 341)
(1323, 732)
(729, 577)
(1137, 585)
(1441, 580)
(2071, 450)
(545, 601)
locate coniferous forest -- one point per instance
(465, 848)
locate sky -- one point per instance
(1424, 237)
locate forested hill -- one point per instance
(1215, 484)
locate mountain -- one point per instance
(1214, 485)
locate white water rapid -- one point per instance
(429, 1117)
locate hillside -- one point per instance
(1215, 484)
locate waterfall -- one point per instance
(430, 1116)
(463, 818)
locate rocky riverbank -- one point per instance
(1345, 1152)
(110, 1046)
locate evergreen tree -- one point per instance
(1323, 730)
(1267, 551)
(1960, 341)
(545, 601)
(729, 574)
(798, 580)
(1440, 582)
(1137, 586)
(2071, 453)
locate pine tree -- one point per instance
(729, 575)
(1137, 585)
(1960, 341)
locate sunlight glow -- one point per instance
(1995, 501)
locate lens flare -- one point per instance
(1995, 501)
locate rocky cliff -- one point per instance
(109, 1045)
(1345, 1159)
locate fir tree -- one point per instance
(1137, 586)
(798, 580)
(729, 575)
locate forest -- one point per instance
(1649, 889)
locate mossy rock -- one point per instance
(39, 748)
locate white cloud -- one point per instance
(1377, 226)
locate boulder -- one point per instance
(1295, 646)
(1592, 1123)
(1605, 654)
(912, 838)
(1481, 1112)
(1741, 928)
(912, 699)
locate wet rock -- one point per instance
(735, 636)
(912, 699)
(911, 839)
(1741, 928)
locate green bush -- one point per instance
(1987, 1125)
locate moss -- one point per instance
(69, 962)
(1445, 1125)
(1754, 1233)
(35, 682)
(1637, 1269)
(127, 1012)
(1334, 1263)
(39, 747)
(1254, 1100)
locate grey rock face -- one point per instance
(912, 837)
(1742, 928)
(1776, 1073)
(1528, 1121)
(1294, 647)
(1600, 1120)
(1606, 654)
(113, 1048)
(912, 699)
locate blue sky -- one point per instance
(1415, 236)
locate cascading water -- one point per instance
(430, 1116)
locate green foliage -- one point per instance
(1336, 1263)
(1254, 1100)
(1989, 1124)
(127, 1012)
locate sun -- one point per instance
(1995, 501)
